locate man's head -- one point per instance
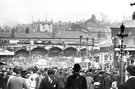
(131, 70)
(51, 72)
(35, 69)
(17, 69)
(76, 69)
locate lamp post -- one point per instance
(91, 52)
(80, 44)
(122, 47)
(92, 44)
(87, 54)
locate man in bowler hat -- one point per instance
(76, 81)
(130, 83)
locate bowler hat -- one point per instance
(77, 67)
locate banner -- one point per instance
(77, 60)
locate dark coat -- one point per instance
(76, 82)
(3, 81)
(45, 84)
(116, 77)
(130, 84)
(61, 81)
(107, 82)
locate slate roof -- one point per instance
(97, 29)
(129, 24)
(23, 35)
(5, 34)
(70, 34)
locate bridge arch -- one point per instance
(39, 51)
(22, 53)
(83, 52)
(70, 51)
(55, 51)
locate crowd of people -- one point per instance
(70, 78)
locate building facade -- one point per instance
(129, 41)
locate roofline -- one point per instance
(119, 27)
(39, 38)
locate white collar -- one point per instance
(50, 80)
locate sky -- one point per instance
(24, 11)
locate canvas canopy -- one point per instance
(5, 52)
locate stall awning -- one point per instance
(126, 49)
(5, 52)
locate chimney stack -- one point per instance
(133, 16)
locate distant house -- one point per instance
(62, 26)
(46, 26)
(43, 26)
(23, 28)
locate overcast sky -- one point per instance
(65, 10)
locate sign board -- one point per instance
(87, 60)
(77, 60)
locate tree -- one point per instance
(104, 19)
(75, 26)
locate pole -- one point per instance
(80, 44)
(122, 63)
(92, 58)
(122, 35)
(92, 47)
(87, 54)
(92, 43)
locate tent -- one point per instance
(5, 52)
